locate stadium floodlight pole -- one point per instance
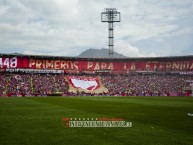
(111, 15)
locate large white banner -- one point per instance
(85, 84)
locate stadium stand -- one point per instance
(44, 76)
(117, 84)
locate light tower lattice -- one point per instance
(111, 15)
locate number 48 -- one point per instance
(8, 62)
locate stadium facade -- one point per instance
(181, 63)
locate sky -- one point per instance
(148, 28)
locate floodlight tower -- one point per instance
(111, 15)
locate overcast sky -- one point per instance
(69, 27)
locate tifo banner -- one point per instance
(75, 64)
(91, 85)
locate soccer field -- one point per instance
(38, 121)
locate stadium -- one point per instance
(25, 75)
(50, 95)
(40, 94)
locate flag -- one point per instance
(85, 84)
(18, 77)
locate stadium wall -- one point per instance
(73, 63)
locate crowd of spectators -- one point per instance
(146, 84)
(32, 84)
(18, 84)
(26, 84)
(2, 83)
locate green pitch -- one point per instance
(38, 121)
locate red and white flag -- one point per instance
(18, 77)
(85, 84)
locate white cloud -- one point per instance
(68, 27)
(127, 49)
(3, 10)
(179, 32)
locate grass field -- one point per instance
(38, 121)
